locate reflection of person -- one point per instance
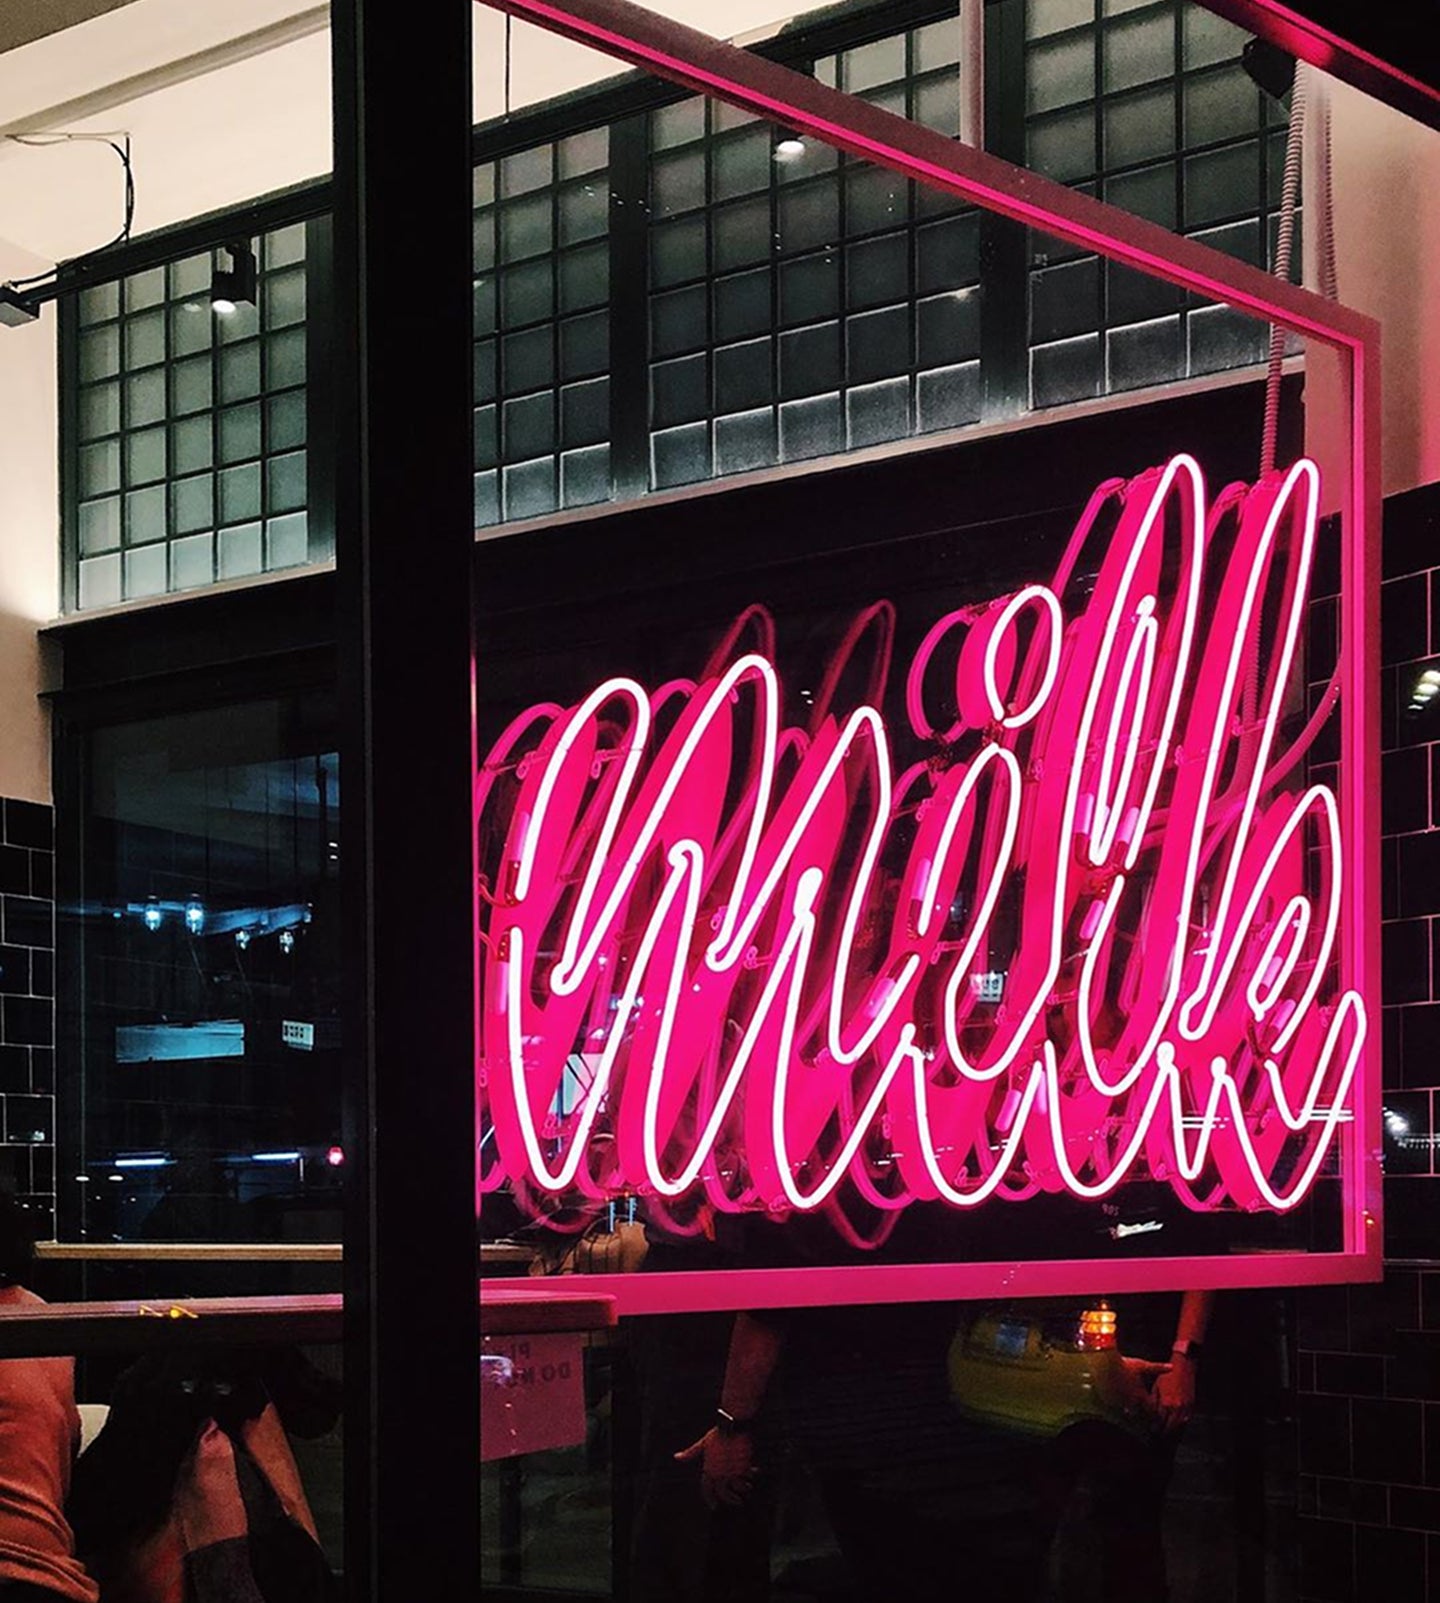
(39, 1437)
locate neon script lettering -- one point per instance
(1089, 933)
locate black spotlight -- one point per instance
(1270, 67)
(234, 286)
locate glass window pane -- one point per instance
(871, 65)
(286, 479)
(191, 277)
(99, 468)
(243, 323)
(680, 456)
(100, 582)
(1069, 370)
(1149, 193)
(527, 360)
(1209, 38)
(287, 541)
(1061, 73)
(484, 371)
(240, 372)
(584, 278)
(99, 526)
(678, 321)
(484, 183)
(283, 295)
(528, 488)
(677, 124)
(190, 328)
(585, 476)
(937, 105)
(99, 410)
(100, 302)
(485, 441)
(192, 561)
(526, 170)
(145, 456)
(240, 432)
(527, 293)
(874, 198)
(192, 503)
(949, 397)
(742, 304)
(810, 360)
(482, 254)
(525, 227)
(1224, 183)
(240, 552)
(947, 255)
(877, 412)
(144, 289)
(808, 216)
(285, 359)
(144, 398)
(809, 289)
(679, 391)
(1062, 147)
(1140, 50)
(948, 328)
(677, 251)
(1220, 105)
(745, 441)
(240, 493)
(1054, 16)
(1064, 300)
(744, 376)
(585, 346)
(585, 413)
(813, 427)
(1145, 353)
(878, 270)
(742, 233)
(529, 427)
(584, 211)
(877, 344)
(1140, 127)
(145, 573)
(145, 339)
(584, 152)
(191, 385)
(100, 352)
(677, 182)
(286, 419)
(1131, 297)
(145, 515)
(937, 45)
(742, 162)
(285, 246)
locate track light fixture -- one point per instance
(234, 286)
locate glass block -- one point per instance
(287, 541)
(677, 251)
(192, 562)
(1209, 39)
(529, 428)
(1139, 51)
(808, 216)
(1064, 300)
(875, 413)
(746, 441)
(240, 432)
(484, 372)
(827, 71)
(678, 321)
(286, 482)
(190, 277)
(527, 293)
(1221, 338)
(1222, 184)
(724, 117)
(240, 372)
(812, 427)
(1060, 73)
(190, 327)
(482, 241)
(1116, 8)
(891, 100)
(99, 410)
(482, 306)
(192, 503)
(1044, 17)
(284, 246)
(487, 499)
(585, 413)
(100, 582)
(877, 271)
(1220, 105)
(742, 304)
(677, 124)
(99, 302)
(1133, 297)
(99, 526)
(741, 233)
(677, 182)
(145, 339)
(926, 203)
(1145, 354)
(143, 290)
(947, 255)
(680, 456)
(283, 296)
(585, 476)
(741, 163)
(585, 346)
(874, 198)
(231, 328)
(1149, 193)
(937, 105)
(145, 573)
(241, 552)
(811, 161)
(584, 212)
(526, 227)
(1062, 146)
(1140, 127)
(285, 416)
(285, 359)
(240, 493)
(744, 375)
(144, 398)
(936, 45)
(99, 468)
(809, 289)
(1069, 370)
(529, 489)
(99, 352)
(947, 328)
(145, 456)
(483, 183)
(877, 344)
(485, 437)
(810, 360)
(527, 170)
(527, 360)
(868, 66)
(679, 390)
(1240, 239)
(948, 397)
(583, 152)
(584, 278)
(191, 385)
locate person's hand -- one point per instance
(1175, 1393)
(1140, 1376)
(727, 1467)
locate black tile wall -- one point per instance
(1368, 1367)
(27, 1007)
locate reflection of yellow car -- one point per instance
(1040, 1374)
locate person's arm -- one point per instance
(726, 1450)
(1175, 1387)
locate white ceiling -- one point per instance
(222, 103)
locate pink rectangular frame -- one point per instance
(707, 66)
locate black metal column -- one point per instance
(404, 528)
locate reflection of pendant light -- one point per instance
(152, 915)
(194, 915)
(287, 940)
(242, 939)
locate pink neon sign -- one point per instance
(1090, 935)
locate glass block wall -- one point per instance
(1147, 106)
(803, 303)
(190, 427)
(542, 329)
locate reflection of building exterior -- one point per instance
(664, 296)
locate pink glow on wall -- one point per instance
(734, 955)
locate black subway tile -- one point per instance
(1390, 877)
(1350, 1374)
(42, 1068)
(29, 921)
(1419, 1046)
(1405, 960)
(29, 1020)
(1419, 873)
(14, 970)
(1322, 1318)
(1414, 1365)
(1344, 1499)
(1405, 620)
(1430, 1299)
(14, 870)
(42, 972)
(29, 1118)
(1327, 1560)
(29, 824)
(1412, 1206)
(1415, 1508)
(1390, 1565)
(1405, 790)
(42, 873)
(14, 1068)
(1432, 1444)
(1386, 1439)
(1378, 1310)
(1410, 531)
(1324, 1435)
